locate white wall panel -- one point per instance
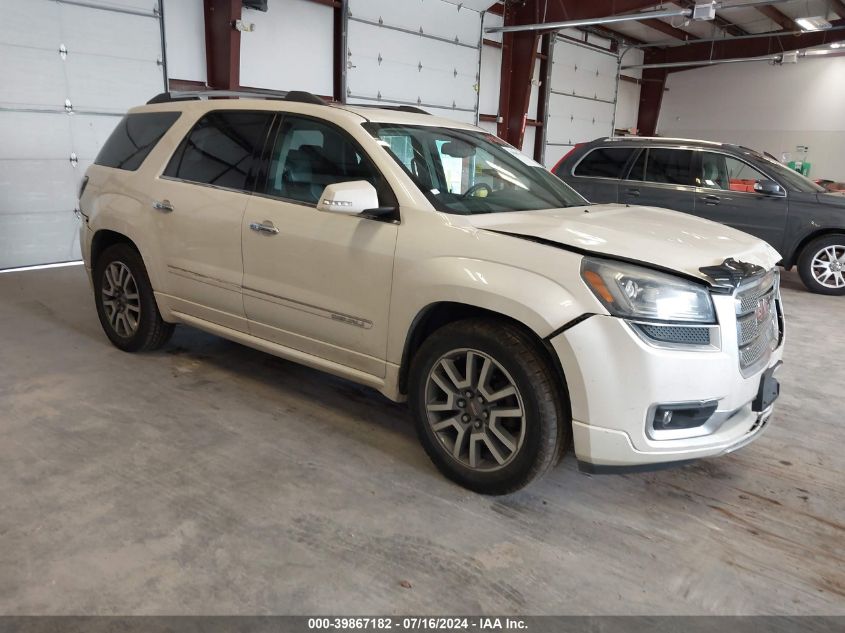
(771, 108)
(112, 61)
(528, 140)
(184, 29)
(418, 52)
(583, 71)
(582, 98)
(491, 78)
(627, 106)
(290, 49)
(428, 17)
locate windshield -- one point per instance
(791, 178)
(468, 172)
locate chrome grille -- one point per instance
(757, 324)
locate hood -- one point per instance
(667, 239)
(834, 199)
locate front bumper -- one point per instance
(615, 380)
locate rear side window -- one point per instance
(134, 138)
(604, 162)
(220, 149)
(664, 165)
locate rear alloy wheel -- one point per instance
(487, 405)
(822, 265)
(125, 301)
(120, 299)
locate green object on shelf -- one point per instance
(801, 166)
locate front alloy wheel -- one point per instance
(489, 407)
(475, 409)
(828, 266)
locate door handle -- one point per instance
(163, 205)
(711, 200)
(633, 192)
(267, 227)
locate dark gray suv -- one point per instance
(724, 183)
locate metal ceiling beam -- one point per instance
(838, 7)
(603, 31)
(550, 25)
(668, 29)
(731, 48)
(779, 17)
(726, 25)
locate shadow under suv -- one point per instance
(725, 183)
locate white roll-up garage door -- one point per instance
(582, 96)
(428, 58)
(70, 69)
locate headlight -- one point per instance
(639, 293)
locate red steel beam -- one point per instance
(545, 73)
(652, 87)
(222, 43)
(339, 53)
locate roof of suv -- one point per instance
(401, 115)
(662, 140)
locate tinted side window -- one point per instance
(308, 155)
(134, 138)
(638, 168)
(604, 162)
(220, 149)
(672, 166)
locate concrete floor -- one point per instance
(210, 478)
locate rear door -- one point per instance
(661, 177)
(726, 194)
(596, 176)
(199, 205)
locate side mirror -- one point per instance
(768, 188)
(348, 198)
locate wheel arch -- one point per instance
(436, 315)
(796, 252)
(104, 238)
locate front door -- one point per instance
(200, 203)
(660, 177)
(726, 194)
(313, 281)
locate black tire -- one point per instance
(150, 331)
(805, 263)
(520, 359)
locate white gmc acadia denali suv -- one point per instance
(435, 263)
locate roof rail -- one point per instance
(400, 108)
(299, 96)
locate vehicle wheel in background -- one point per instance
(822, 265)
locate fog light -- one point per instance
(671, 417)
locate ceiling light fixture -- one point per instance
(836, 45)
(816, 23)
